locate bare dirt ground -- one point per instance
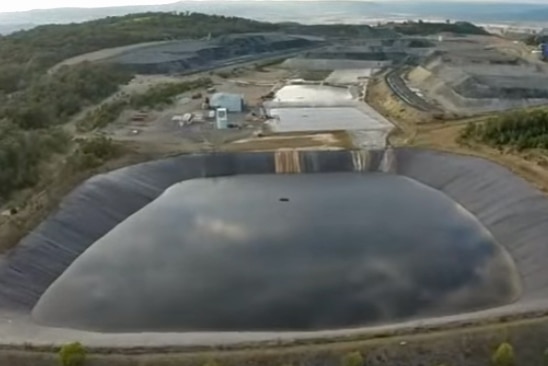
(158, 127)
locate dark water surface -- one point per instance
(283, 252)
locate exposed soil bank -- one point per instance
(511, 209)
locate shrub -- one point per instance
(72, 354)
(54, 99)
(211, 363)
(504, 355)
(163, 94)
(352, 359)
(102, 115)
(94, 152)
(23, 152)
(223, 74)
(521, 130)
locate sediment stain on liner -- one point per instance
(283, 252)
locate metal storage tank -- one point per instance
(232, 102)
(222, 118)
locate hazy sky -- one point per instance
(41, 4)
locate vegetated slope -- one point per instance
(536, 40)
(30, 119)
(52, 99)
(522, 130)
(25, 53)
(425, 28)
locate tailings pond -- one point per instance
(283, 252)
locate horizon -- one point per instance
(30, 5)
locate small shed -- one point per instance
(231, 102)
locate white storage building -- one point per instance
(232, 102)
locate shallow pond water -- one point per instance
(316, 94)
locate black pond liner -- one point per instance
(513, 211)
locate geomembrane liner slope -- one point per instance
(511, 209)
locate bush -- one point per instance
(163, 94)
(211, 363)
(22, 152)
(72, 354)
(94, 152)
(425, 28)
(504, 355)
(223, 74)
(102, 115)
(352, 359)
(522, 130)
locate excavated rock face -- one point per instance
(471, 83)
(194, 55)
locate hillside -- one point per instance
(25, 53)
(325, 11)
(34, 104)
(421, 28)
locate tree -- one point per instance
(72, 354)
(504, 355)
(352, 359)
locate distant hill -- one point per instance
(27, 53)
(296, 11)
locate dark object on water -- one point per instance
(283, 199)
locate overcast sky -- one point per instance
(46, 4)
(18, 5)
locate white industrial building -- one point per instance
(230, 102)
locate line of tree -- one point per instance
(522, 130)
(426, 28)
